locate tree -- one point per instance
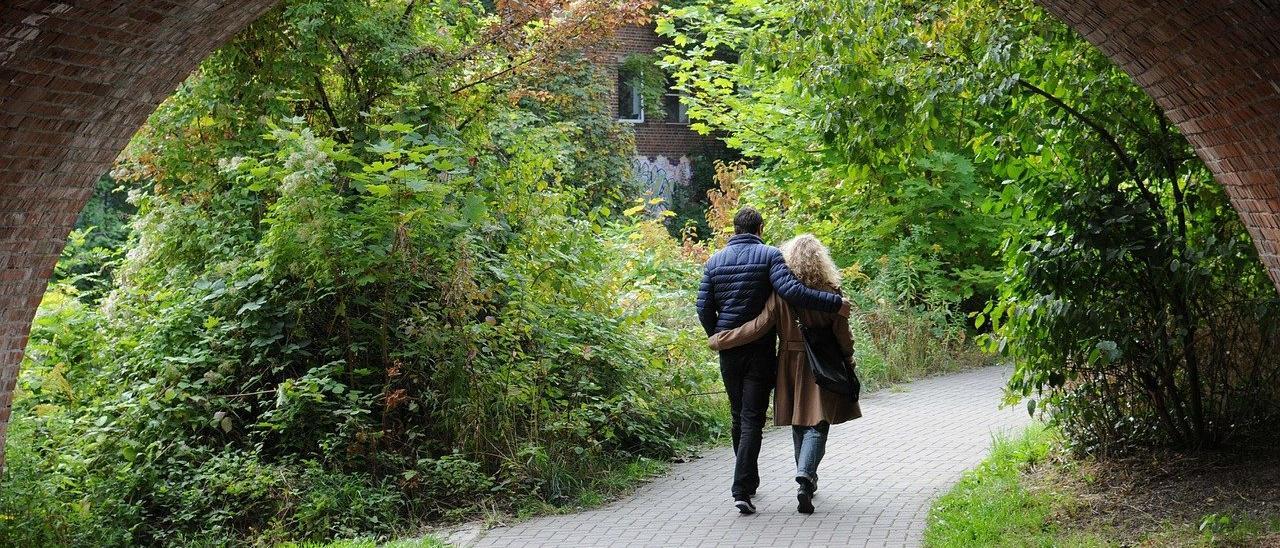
(924, 140)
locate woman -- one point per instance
(799, 402)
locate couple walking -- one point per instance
(755, 303)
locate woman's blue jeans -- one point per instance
(810, 445)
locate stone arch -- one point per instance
(78, 77)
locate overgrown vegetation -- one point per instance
(359, 298)
(388, 264)
(1133, 301)
(98, 242)
(977, 159)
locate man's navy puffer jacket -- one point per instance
(739, 279)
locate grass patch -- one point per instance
(1029, 493)
(1218, 530)
(991, 507)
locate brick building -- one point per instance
(666, 148)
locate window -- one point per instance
(677, 112)
(630, 104)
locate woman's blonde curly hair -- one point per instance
(811, 262)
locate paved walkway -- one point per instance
(876, 482)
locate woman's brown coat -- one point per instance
(798, 401)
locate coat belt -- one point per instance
(795, 346)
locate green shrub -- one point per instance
(357, 299)
(1134, 303)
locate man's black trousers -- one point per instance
(749, 374)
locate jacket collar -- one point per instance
(737, 239)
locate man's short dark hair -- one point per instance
(747, 221)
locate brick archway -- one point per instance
(78, 77)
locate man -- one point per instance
(737, 282)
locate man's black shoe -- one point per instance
(744, 506)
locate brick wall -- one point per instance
(653, 137)
(78, 78)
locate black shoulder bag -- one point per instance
(832, 370)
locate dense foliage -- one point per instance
(361, 297)
(924, 140)
(389, 264)
(96, 244)
(857, 133)
(1134, 299)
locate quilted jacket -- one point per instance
(739, 279)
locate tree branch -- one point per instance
(328, 109)
(1125, 161)
(495, 75)
(1106, 136)
(348, 64)
(408, 13)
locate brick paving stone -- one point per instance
(877, 480)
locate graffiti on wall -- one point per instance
(659, 178)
